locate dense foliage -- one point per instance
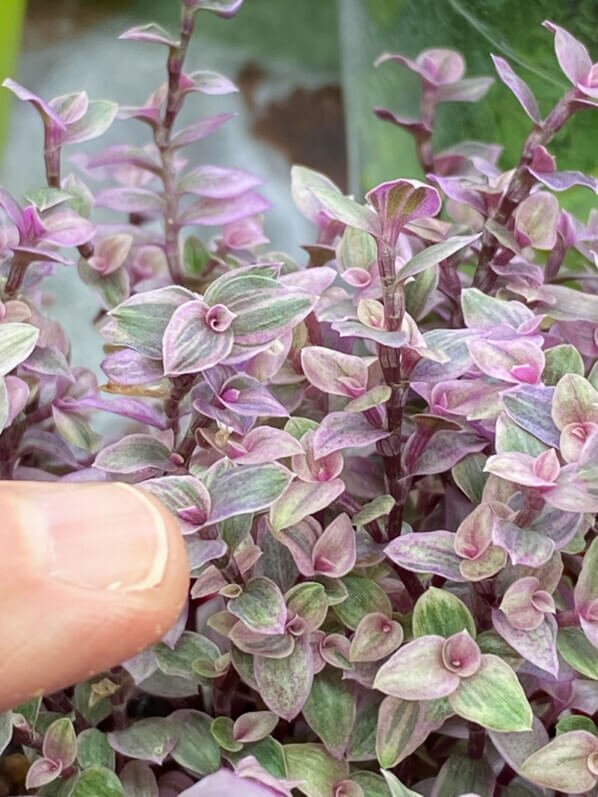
(384, 461)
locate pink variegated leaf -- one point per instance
(375, 638)
(42, 771)
(515, 361)
(302, 499)
(341, 430)
(333, 372)
(524, 604)
(213, 212)
(334, 553)
(207, 82)
(566, 763)
(223, 8)
(200, 129)
(49, 116)
(400, 202)
(128, 367)
(130, 200)
(536, 220)
(67, 228)
(470, 89)
(217, 182)
(562, 181)
(417, 127)
(525, 547)
(152, 33)
(260, 606)
(426, 552)
(538, 646)
(572, 55)
(285, 684)
(521, 468)
(245, 395)
(519, 88)
(266, 443)
(474, 535)
(417, 671)
(189, 344)
(246, 488)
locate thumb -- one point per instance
(90, 574)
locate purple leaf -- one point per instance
(285, 684)
(245, 395)
(155, 34)
(519, 88)
(130, 200)
(426, 552)
(400, 202)
(334, 553)
(537, 646)
(417, 127)
(134, 453)
(341, 430)
(223, 8)
(302, 499)
(562, 181)
(41, 772)
(572, 56)
(260, 606)
(212, 212)
(48, 114)
(199, 130)
(207, 83)
(217, 183)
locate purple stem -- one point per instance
(162, 137)
(520, 186)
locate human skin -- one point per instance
(90, 574)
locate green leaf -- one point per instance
(308, 601)
(419, 290)
(511, 437)
(432, 255)
(93, 749)
(17, 341)
(73, 428)
(563, 763)
(150, 739)
(470, 477)
(442, 613)
(347, 210)
(313, 765)
(195, 256)
(81, 198)
(45, 197)
(561, 360)
(330, 710)
(112, 288)
(285, 684)
(96, 713)
(491, 642)
(576, 722)
(29, 710)
(196, 748)
(362, 744)
(364, 597)
(578, 651)
(493, 698)
(100, 115)
(396, 788)
(460, 775)
(133, 453)
(398, 723)
(297, 426)
(302, 499)
(260, 606)
(269, 753)
(97, 782)
(222, 731)
(357, 249)
(379, 507)
(375, 638)
(138, 780)
(5, 730)
(189, 647)
(60, 742)
(247, 488)
(372, 785)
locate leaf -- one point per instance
(426, 552)
(481, 311)
(260, 606)
(97, 782)
(441, 613)
(347, 210)
(519, 88)
(149, 739)
(341, 430)
(112, 288)
(100, 115)
(196, 749)
(563, 763)
(134, 453)
(60, 742)
(130, 200)
(515, 748)
(530, 406)
(432, 255)
(317, 770)
(364, 597)
(399, 730)
(493, 698)
(309, 602)
(469, 476)
(189, 648)
(330, 710)
(416, 672)
(578, 651)
(537, 646)
(460, 775)
(223, 8)
(138, 780)
(561, 360)
(190, 345)
(5, 730)
(93, 749)
(222, 731)
(199, 130)
(41, 772)
(254, 726)
(17, 341)
(375, 638)
(247, 488)
(216, 182)
(302, 499)
(285, 684)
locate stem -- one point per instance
(520, 186)
(162, 137)
(16, 275)
(181, 385)
(390, 362)
(476, 741)
(423, 143)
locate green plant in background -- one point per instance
(11, 19)
(508, 28)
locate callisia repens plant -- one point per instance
(383, 458)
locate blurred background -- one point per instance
(307, 87)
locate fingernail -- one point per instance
(103, 536)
